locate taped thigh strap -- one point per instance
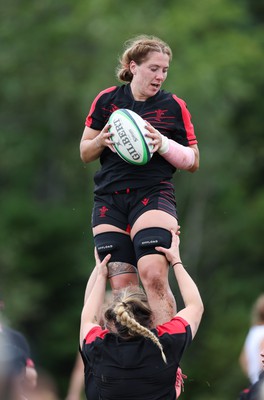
(147, 239)
(118, 245)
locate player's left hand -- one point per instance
(155, 135)
(101, 265)
(173, 252)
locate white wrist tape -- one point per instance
(176, 154)
(164, 145)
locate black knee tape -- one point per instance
(147, 239)
(118, 245)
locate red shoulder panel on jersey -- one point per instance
(88, 121)
(175, 325)
(186, 116)
(94, 333)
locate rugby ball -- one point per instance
(129, 138)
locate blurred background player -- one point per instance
(250, 359)
(76, 383)
(19, 347)
(12, 370)
(256, 390)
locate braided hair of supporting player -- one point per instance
(132, 316)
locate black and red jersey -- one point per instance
(134, 369)
(165, 111)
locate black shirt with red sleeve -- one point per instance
(134, 369)
(165, 111)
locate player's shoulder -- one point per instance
(112, 91)
(176, 325)
(173, 99)
(105, 92)
(165, 95)
(108, 90)
(109, 94)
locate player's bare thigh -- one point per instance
(154, 219)
(107, 228)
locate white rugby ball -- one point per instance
(129, 138)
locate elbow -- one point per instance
(82, 157)
(83, 154)
(196, 163)
(197, 308)
(194, 168)
(201, 308)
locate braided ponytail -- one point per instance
(132, 316)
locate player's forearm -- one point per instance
(90, 149)
(90, 284)
(188, 288)
(182, 157)
(92, 308)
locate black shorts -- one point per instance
(122, 208)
